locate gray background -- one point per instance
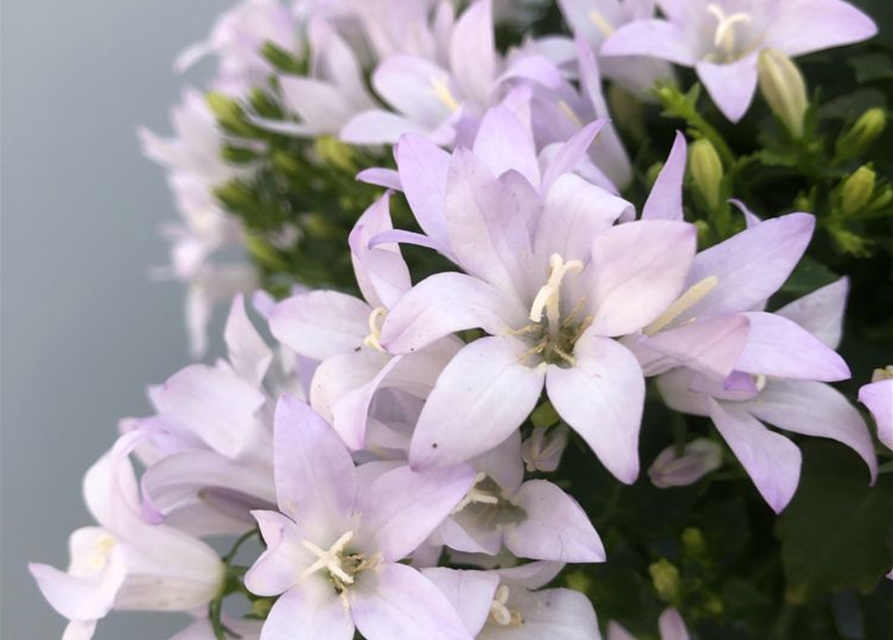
(83, 330)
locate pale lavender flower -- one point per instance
(548, 277)
(533, 519)
(596, 20)
(780, 373)
(878, 397)
(344, 334)
(333, 552)
(125, 563)
(670, 625)
(510, 604)
(722, 39)
(698, 458)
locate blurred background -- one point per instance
(83, 330)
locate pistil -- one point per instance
(373, 340)
(724, 36)
(683, 303)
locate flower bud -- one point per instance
(860, 136)
(542, 450)
(784, 89)
(857, 189)
(706, 170)
(665, 578)
(229, 113)
(699, 457)
(333, 152)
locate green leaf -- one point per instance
(837, 532)
(872, 66)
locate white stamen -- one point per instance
(500, 612)
(475, 495)
(442, 91)
(724, 37)
(601, 22)
(329, 560)
(759, 381)
(684, 302)
(373, 340)
(549, 296)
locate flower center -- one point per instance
(373, 340)
(442, 91)
(500, 613)
(477, 494)
(553, 339)
(340, 565)
(724, 36)
(682, 304)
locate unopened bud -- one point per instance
(784, 89)
(229, 113)
(860, 136)
(857, 189)
(543, 449)
(627, 109)
(706, 170)
(665, 578)
(333, 152)
(699, 457)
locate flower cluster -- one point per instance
(399, 453)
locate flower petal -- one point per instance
(652, 38)
(804, 26)
(321, 324)
(821, 312)
(470, 593)
(423, 168)
(503, 144)
(381, 272)
(878, 397)
(665, 200)
(248, 353)
(671, 626)
(473, 51)
(730, 85)
(309, 610)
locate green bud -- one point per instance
(544, 415)
(857, 189)
(281, 59)
(235, 196)
(666, 580)
(623, 102)
(238, 155)
(693, 541)
(860, 136)
(882, 199)
(286, 163)
(784, 89)
(706, 170)
(228, 112)
(263, 104)
(261, 607)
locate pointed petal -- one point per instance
(771, 460)
(278, 567)
(315, 476)
(639, 269)
(601, 397)
(751, 265)
(652, 38)
(730, 85)
(485, 384)
(821, 312)
(503, 144)
(815, 409)
(376, 127)
(571, 154)
(398, 602)
(552, 614)
(423, 168)
(671, 625)
(445, 303)
(473, 51)
(403, 507)
(878, 397)
(470, 593)
(309, 610)
(665, 200)
(709, 345)
(804, 26)
(555, 527)
(322, 107)
(321, 324)
(381, 272)
(248, 353)
(617, 632)
(387, 178)
(408, 84)
(780, 348)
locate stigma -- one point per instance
(548, 298)
(724, 36)
(373, 339)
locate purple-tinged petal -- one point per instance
(467, 532)
(665, 200)
(593, 21)
(387, 178)
(311, 609)
(699, 457)
(401, 236)
(652, 38)
(751, 265)
(533, 575)
(322, 107)
(248, 353)
(781, 348)
(639, 269)
(771, 460)
(381, 272)
(483, 395)
(730, 85)
(709, 345)
(445, 303)
(473, 51)
(575, 211)
(671, 626)
(503, 463)
(376, 127)
(315, 476)
(535, 68)
(470, 593)
(503, 144)
(878, 397)
(617, 632)
(804, 26)
(551, 614)
(402, 507)
(814, 409)
(277, 569)
(555, 526)
(601, 397)
(571, 154)
(423, 168)
(399, 602)
(321, 324)
(408, 84)
(821, 312)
